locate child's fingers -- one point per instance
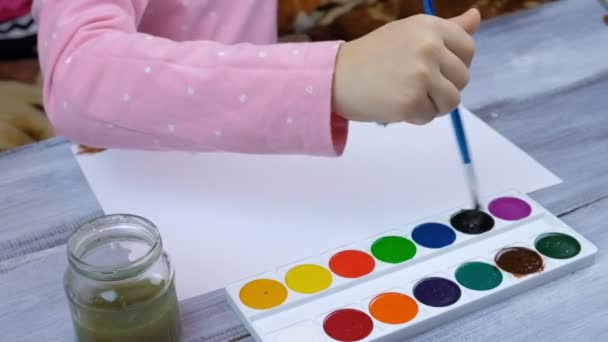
(34, 124)
(444, 94)
(424, 111)
(454, 69)
(468, 21)
(20, 111)
(12, 137)
(459, 42)
(11, 91)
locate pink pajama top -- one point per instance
(192, 75)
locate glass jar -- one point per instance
(120, 282)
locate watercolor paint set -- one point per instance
(414, 278)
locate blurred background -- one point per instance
(22, 118)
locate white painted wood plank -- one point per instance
(539, 51)
(42, 198)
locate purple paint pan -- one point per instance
(510, 208)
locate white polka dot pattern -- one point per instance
(195, 75)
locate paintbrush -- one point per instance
(461, 137)
(469, 170)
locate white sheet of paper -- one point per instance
(224, 217)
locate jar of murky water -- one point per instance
(120, 282)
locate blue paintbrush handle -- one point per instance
(428, 7)
(460, 136)
(456, 119)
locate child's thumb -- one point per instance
(469, 20)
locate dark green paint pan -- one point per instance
(557, 246)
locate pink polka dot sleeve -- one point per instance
(109, 85)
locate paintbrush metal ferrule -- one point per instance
(473, 184)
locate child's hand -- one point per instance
(21, 118)
(410, 70)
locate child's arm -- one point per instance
(107, 85)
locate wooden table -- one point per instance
(540, 78)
